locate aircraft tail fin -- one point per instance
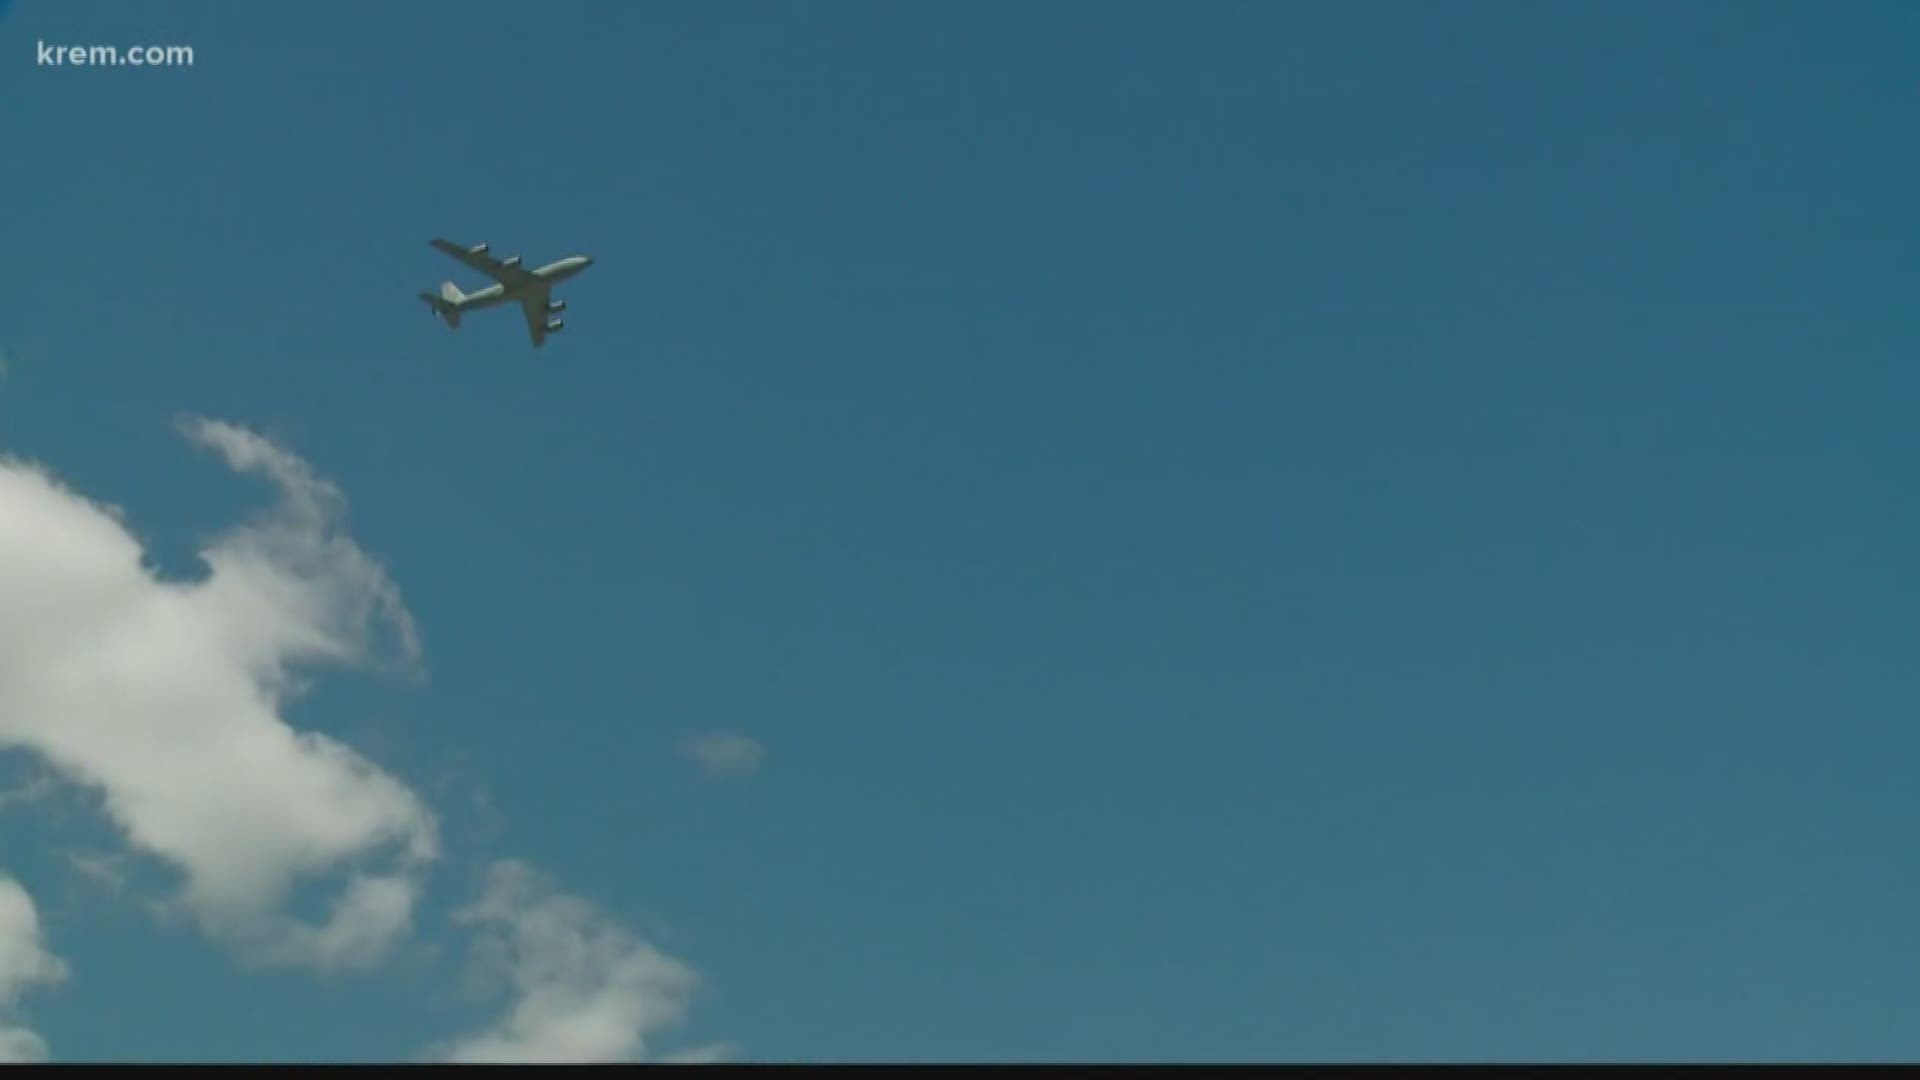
(451, 293)
(442, 307)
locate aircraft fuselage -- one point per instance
(512, 283)
(540, 280)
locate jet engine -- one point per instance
(556, 307)
(554, 326)
(511, 260)
(477, 249)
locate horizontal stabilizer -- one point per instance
(447, 312)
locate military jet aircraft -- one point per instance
(531, 289)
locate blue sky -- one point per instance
(1240, 531)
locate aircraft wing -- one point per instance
(534, 306)
(476, 258)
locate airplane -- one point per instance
(531, 289)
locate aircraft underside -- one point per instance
(532, 290)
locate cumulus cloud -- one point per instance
(721, 755)
(583, 989)
(164, 700)
(25, 964)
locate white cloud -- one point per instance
(584, 990)
(716, 1054)
(24, 965)
(164, 700)
(721, 755)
